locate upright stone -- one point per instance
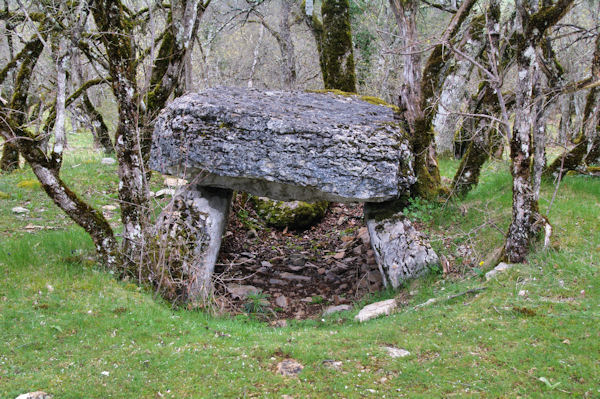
(189, 233)
(402, 252)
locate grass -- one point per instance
(73, 330)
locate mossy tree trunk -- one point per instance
(531, 25)
(578, 155)
(10, 157)
(45, 166)
(137, 108)
(455, 92)
(336, 46)
(421, 87)
(100, 131)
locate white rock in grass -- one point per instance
(396, 352)
(108, 161)
(35, 395)
(498, 269)
(20, 210)
(376, 309)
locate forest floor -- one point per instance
(71, 329)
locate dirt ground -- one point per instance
(295, 274)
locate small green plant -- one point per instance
(317, 299)
(420, 209)
(257, 303)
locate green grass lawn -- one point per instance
(73, 330)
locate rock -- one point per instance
(396, 352)
(109, 208)
(294, 277)
(241, 291)
(498, 269)
(108, 161)
(281, 301)
(332, 364)
(164, 192)
(276, 281)
(335, 309)
(289, 368)
(265, 263)
(174, 182)
(285, 145)
(376, 309)
(295, 215)
(34, 395)
(297, 259)
(20, 210)
(402, 252)
(191, 228)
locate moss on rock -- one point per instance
(294, 215)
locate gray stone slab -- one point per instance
(284, 145)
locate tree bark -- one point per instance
(337, 49)
(526, 220)
(10, 157)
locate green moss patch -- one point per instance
(29, 184)
(295, 215)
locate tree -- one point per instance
(530, 26)
(421, 87)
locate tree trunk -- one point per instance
(10, 157)
(577, 156)
(565, 126)
(526, 219)
(455, 91)
(99, 129)
(337, 49)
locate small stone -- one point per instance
(265, 263)
(332, 364)
(109, 207)
(308, 299)
(164, 192)
(280, 323)
(335, 309)
(339, 255)
(297, 259)
(376, 309)
(174, 182)
(35, 395)
(321, 270)
(294, 277)
(498, 269)
(276, 281)
(252, 233)
(289, 368)
(523, 293)
(108, 161)
(396, 352)
(295, 268)
(105, 373)
(241, 291)
(20, 210)
(281, 301)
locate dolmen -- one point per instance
(285, 145)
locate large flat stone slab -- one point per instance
(284, 145)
